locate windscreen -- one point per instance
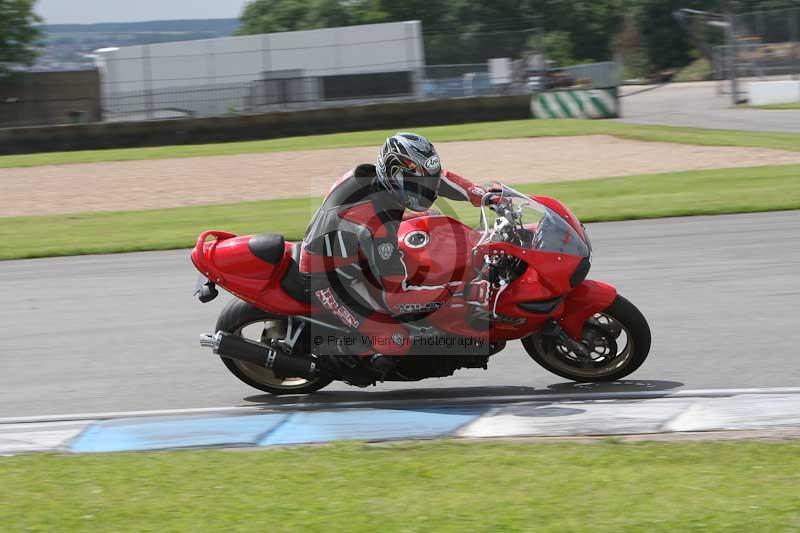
(536, 226)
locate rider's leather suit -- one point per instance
(352, 242)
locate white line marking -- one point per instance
(545, 397)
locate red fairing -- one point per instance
(564, 211)
(228, 262)
(545, 279)
(552, 270)
(436, 250)
(585, 300)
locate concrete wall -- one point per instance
(398, 115)
(34, 98)
(773, 92)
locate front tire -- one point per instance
(248, 321)
(619, 339)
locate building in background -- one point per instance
(258, 73)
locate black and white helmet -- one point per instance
(409, 168)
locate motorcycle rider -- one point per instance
(359, 219)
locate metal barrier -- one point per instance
(595, 75)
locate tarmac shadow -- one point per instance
(371, 398)
(626, 385)
(366, 395)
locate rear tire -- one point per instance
(601, 333)
(233, 319)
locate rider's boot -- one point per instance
(383, 365)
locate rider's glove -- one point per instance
(477, 192)
(475, 292)
(496, 190)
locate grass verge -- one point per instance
(436, 486)
(463, 132)
(795, 105)
(707, 192)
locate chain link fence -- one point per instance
(208, 84)
(262, 73)
(767, 44)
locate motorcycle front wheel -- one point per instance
(248, 321)
(618, 339)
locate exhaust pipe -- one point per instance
(235, 347)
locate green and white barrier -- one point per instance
(578, 103)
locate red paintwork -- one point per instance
(588, 298)
(564, 211)
(227, 261)
(249, 278)
(446, 258)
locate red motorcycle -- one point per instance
(535, 254)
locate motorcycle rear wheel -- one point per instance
(248, 321)
(619, 340)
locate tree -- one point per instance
(18, 33)
(666, 40)
(270, 16)
(471, 31)
(629, 51)
(558, 47)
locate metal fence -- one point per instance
(275, 92)
(292, 92)
(194, 79)
(767, 44)
(209, 82)
(601, 75)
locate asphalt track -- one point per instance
(119, 332)
(700, 105)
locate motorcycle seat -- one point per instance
(296, 284)
(268, 247)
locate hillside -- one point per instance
(67, 45)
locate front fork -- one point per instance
(553, 330)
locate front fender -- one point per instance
(585, 300)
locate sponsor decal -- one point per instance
(385, 250)
(398, 338)
(346, 318)
(477, 191)
(432, 163)
(328, 301)
(419, 308)
(326, 298)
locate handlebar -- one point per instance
(503, 209)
